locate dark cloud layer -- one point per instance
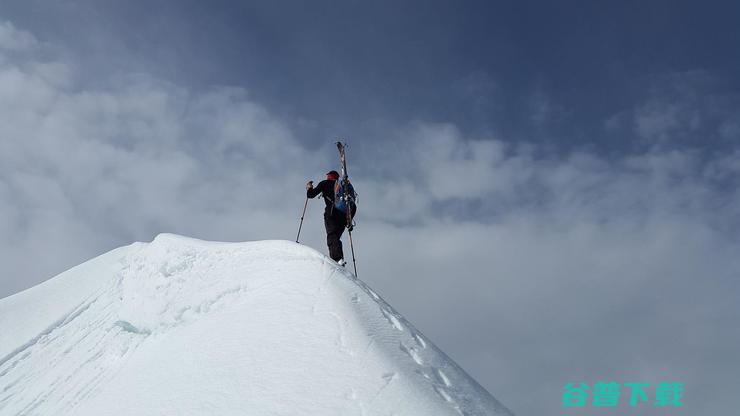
(534, 71)
(535, 254)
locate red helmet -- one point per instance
(332, 174)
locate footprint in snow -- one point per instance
(419, 340)
(392, 319)
(423, 374)
(389, 376)
(442, 377)
(442, 392)
(411, 351)
(128, 327)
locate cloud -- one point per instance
(12, 39)
(620, 270)
(557, 268)
(106, 166)
(689, 108)
(530, 268)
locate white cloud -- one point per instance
(105, 166)
(591, 263)
(502, 249)
(685, 108)
(12, 39)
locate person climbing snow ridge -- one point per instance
(334, 219)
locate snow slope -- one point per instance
(186, 327)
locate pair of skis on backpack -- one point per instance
(345, 197)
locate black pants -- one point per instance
(335, 222)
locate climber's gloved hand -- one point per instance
(309, 185)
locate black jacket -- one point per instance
(326, 189)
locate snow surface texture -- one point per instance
(186, 327)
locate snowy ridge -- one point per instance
(188, 327)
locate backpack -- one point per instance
(343, 187)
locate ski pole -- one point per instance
(352, 246)
(302, 215)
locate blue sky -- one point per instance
(519, 71)
(542, 185)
